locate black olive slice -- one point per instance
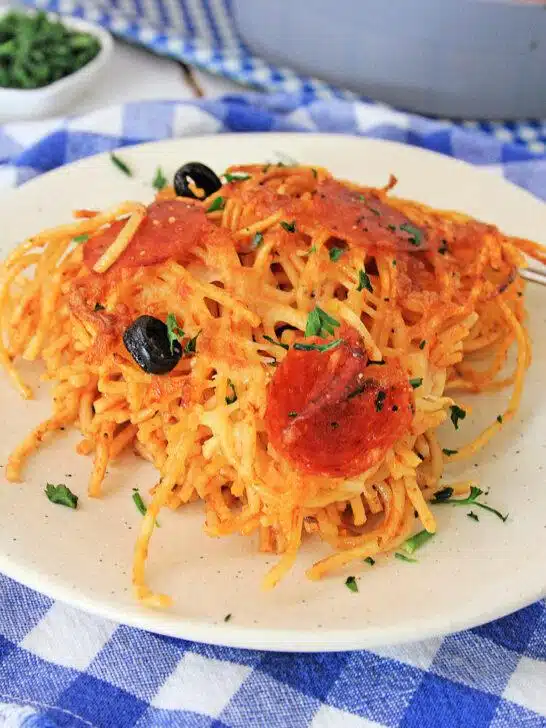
(201, 176)
(147, 341)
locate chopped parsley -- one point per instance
(443, 249)
(98, 307)
(335, 254)
(227, 617)
(392, 228)
(120, 164)
(139, 503)
(416, 382)
(159, 181)
(350, 583)
(457, 414)
(83, 238)
(319, 323)
(318, 347)
(236, 176)
(364, 281)
(314, 171)
(499, 419)
(473, 516)
(312, 249)
(415, 542)
(293, 414)
(334, 425)
(380, 400)
(216, 204)
(415, 233)
(61, 495)
(174, 332)
(233, 396)
(290, 227)
(422, 344)
(257, 240)
(449, 452)
(277, 343)
(369, 560)
(403, 557)
(191, 345)
(444, 496)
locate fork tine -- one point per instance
(533, 275)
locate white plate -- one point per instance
(471, 572)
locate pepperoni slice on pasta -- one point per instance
(361, 218)
(334, 413)
(170, 230)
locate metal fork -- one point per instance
(533, 275)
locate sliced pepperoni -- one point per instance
(335, 413)
(170, 230)
(361, 218)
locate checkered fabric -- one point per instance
(61, 667)
(203, 33)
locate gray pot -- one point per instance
(457, 58)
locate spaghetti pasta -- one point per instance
(282, 350)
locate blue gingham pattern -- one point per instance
(61, 667)
(203, 33)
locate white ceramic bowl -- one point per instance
(50, 100)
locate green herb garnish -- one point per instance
(499, 419)
(293, 414)
(416, 382)
(236, 176)
(415, 542)
(216, 204)
(444, 496)
(98, 307)
(230, 399)
(191, 345)
(473, 516)
(457, 414)
(174, 332)
(369, 560)
(449, 452)
(364, 281)
(257, 240)
(139, 503)
(422, 344)
(159, 181)
(120, 164)
(141, 506)
(61, 495)
(403, 557)
(227, 617)
(319, 323)
(443, 249)
(277, 343)
(350, 583)
(290, 227)
(36, 50)
(414, 232)
(318, 347)
(83, 238)
(380, 400)
(335, 254)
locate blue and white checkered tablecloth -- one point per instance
(61, 667)
(203, 33)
